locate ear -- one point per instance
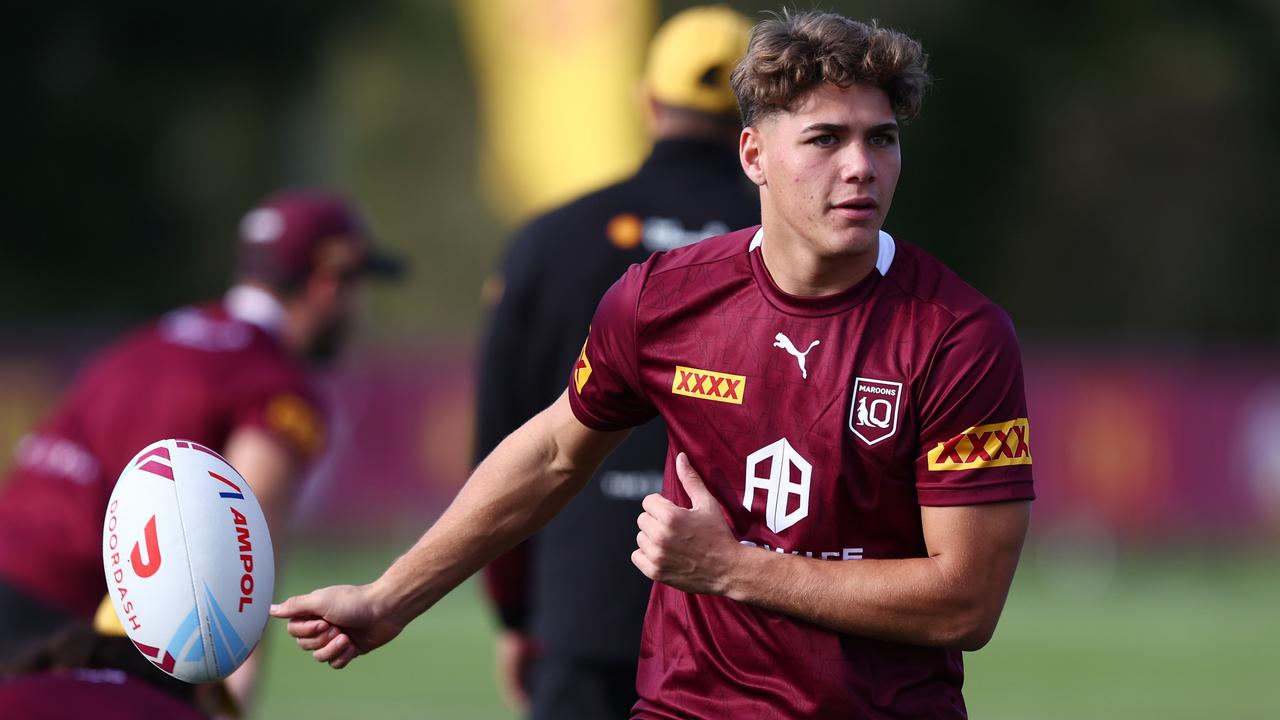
(750, 150)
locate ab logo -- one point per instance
(772, 469)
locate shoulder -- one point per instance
(573, 237)
(230, 350)
(712, 251)
(927, 281)
(590, 211)
(716, 260)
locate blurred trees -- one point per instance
(1104, 170)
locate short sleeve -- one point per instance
(604, 385)
(975, 437)
(284, 409)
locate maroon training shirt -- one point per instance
(97, 694)
(821, 425)
(196, 374)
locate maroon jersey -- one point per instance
(98, 694)
(821, 425)
(197, 374)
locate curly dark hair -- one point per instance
(791, 53)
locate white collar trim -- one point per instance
(256, 307)
(888, 248)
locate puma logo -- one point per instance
(782, 341)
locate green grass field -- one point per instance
(1169, 636)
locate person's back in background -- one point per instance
(229, 375)
(570, 603)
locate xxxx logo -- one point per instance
(709, 385)
(984, 446)
(581, 369)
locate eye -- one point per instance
(882, 140)
(827, 140)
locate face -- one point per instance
(333, 299)
(826, 169)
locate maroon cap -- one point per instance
(292, 233)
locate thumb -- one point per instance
(692, 483)
(295, 606)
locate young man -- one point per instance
(847, 488)
(230, 375)
(571, 612)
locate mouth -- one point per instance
(863, 208)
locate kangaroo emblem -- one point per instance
(865, 419)
(782, 341)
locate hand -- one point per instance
(335, 624)
(688, 549)
(514, 656)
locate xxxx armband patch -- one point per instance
(709, 385)
(984, 446)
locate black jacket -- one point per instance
(573, 586)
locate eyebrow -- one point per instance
(841, 128)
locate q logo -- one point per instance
(152, 564)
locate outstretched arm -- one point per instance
(525, 481)
(952, 598)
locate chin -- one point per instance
(327, 345)
(854, 242)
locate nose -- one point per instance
(857, 164)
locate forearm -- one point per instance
(912, 600)
(242, 684)
(521, 485)
(952, 598)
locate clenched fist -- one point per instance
(690, 549)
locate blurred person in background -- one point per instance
(849, 477)
(231, 375)
(571, 614)
(83, 670)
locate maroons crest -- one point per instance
(874, 409)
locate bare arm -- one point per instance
(272, 471)
(521, 485)
(952, 598)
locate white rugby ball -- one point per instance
(188, 560)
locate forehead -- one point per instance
(856, 104)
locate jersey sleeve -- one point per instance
(975, 440)
(283, 406)
(604, 385)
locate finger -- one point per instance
(334, 649)
(351, 653)
(307, 628)
(645, 565)
(692, 483)
(646, 545)
(315, 643)
(651, 525)
(655, 503)
(299, 605)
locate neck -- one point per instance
(251, 303)
(258, 305)
(799, 269)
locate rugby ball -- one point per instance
(188, 560)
